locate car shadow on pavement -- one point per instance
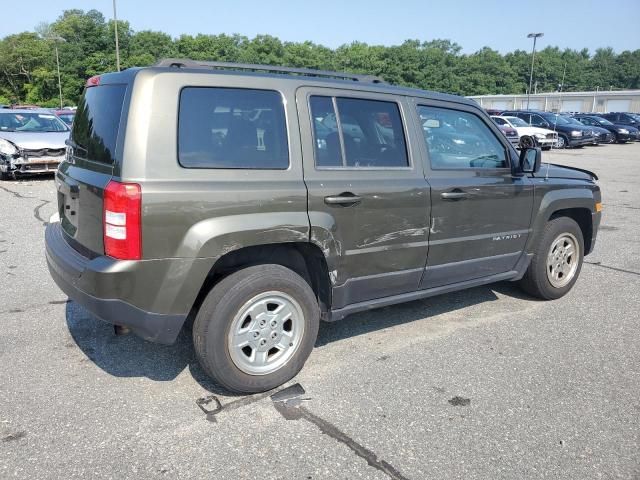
(131, 356)
(386, 317)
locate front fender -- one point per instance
(561, 198)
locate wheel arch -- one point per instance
(582, 216)
(304, 258)
(575, 203)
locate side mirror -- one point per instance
(530, 160)
(546, 125)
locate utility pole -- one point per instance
(533, 56)
(55, 39)
(115, 25)
(59, 78)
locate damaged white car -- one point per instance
(31, 141)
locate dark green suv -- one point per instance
(259, 200)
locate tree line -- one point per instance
(86, 45)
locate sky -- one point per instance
(502, 25)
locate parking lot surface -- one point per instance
(481, 384)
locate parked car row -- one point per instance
(66, 114)
(31, 141)
(548, 129)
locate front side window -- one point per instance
(457, 139)
(538, 121)
(360, 133)
(232, 128)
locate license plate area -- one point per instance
(68, 206)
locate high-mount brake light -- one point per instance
(122, 220)
(93, 81)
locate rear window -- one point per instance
(96, 123)
(232, 128)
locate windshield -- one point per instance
(601, 121)
(573, 120)
(517, 122)
(31, 122)
(557, 119)
(635, 116)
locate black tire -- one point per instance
(527, 142)
(5, 176)
(215, 316)
(535, 281)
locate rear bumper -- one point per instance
(82, 278)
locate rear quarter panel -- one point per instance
(204, 213)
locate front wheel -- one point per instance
(562, 142)
(527, 142)
(557, 260)
(256, 328)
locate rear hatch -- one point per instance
(92, 160)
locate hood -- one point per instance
(560, 171)
(36, 140)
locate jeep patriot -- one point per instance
(257, 200)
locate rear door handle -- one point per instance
(344, 199)
(454, 195)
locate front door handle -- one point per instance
(456, 195)
(344, 199)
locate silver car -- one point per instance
(31, 141)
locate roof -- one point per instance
(304, 77)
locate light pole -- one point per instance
(533, 56)
(55, 39)
(115, 26)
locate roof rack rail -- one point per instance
(187, 63)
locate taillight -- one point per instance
(93, 81)
(122, 222)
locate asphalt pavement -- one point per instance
(486, 383)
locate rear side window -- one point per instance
(232, 128)
(361, 133)
(96, 124)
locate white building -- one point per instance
(602, 101)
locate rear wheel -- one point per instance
(256, 328)
(557, 260)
